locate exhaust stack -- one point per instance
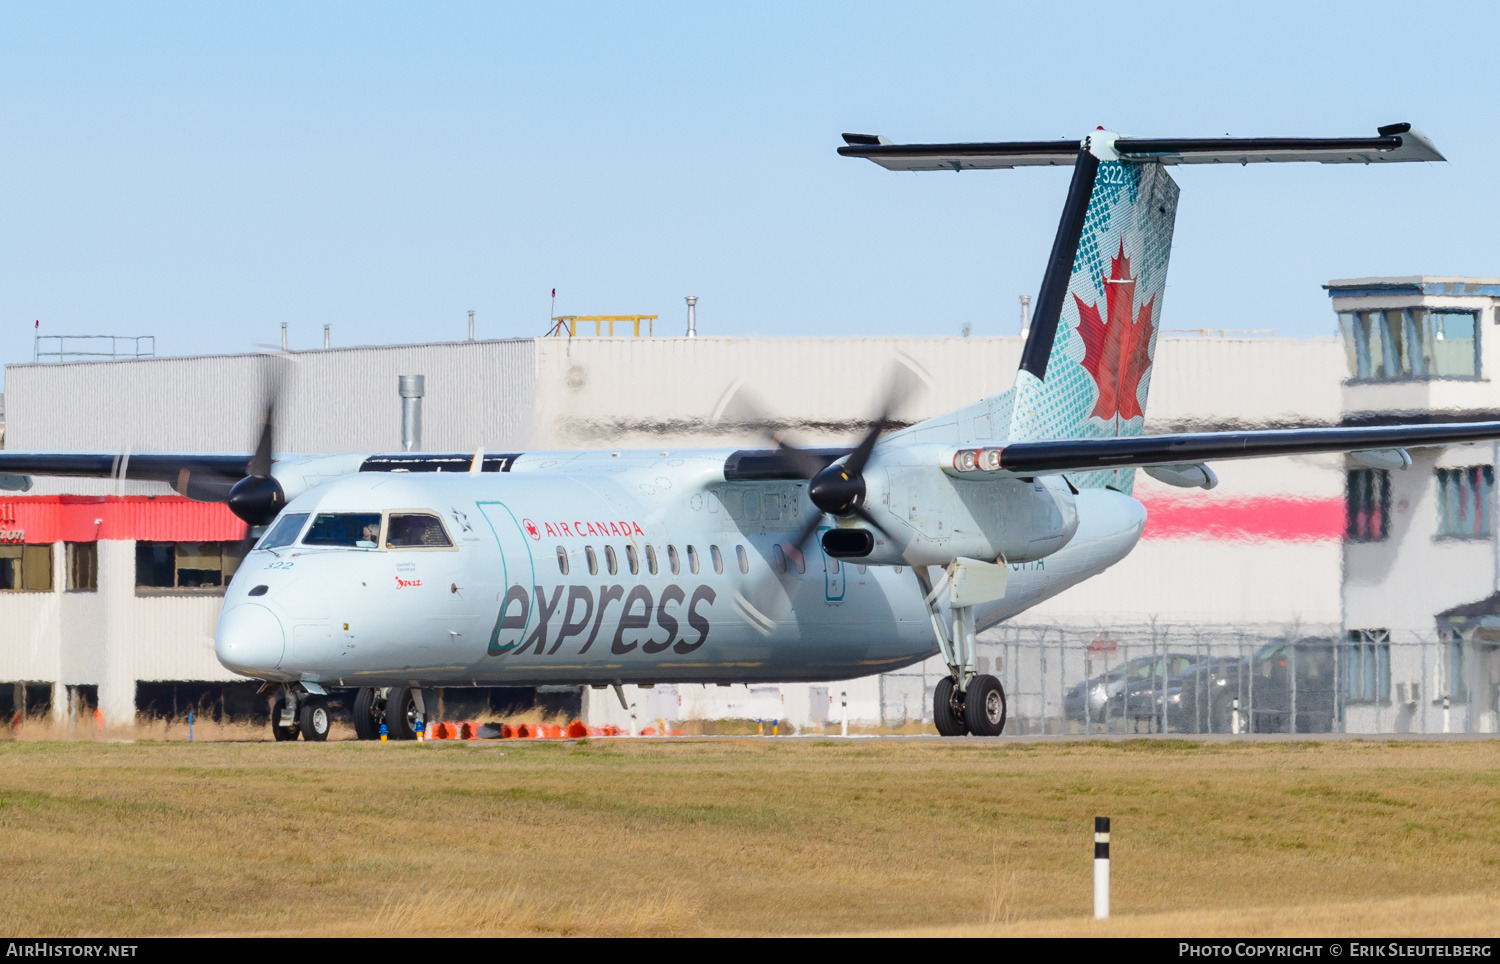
(413, 387)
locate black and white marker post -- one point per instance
(1101, 868)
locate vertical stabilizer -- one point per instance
(1086, 366)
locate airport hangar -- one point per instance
(111, 590)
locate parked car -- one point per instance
(1126, 692)
(1279, 682)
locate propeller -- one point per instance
(258, 497)
(839, 489)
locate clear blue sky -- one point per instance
(205, 171)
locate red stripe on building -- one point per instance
(75, 518)
(1268, 519)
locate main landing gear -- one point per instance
(398, 708)
(965, 702)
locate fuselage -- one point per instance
(592, 568)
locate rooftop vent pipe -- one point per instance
(413, 387)
(692, 303)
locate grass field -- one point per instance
(747, 837)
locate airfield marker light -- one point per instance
(760, 727)
(420, 736)
(775, 727)
(384, 733)
(190, 726)
(1101, 868)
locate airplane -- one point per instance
(391, 572)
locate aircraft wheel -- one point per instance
(281, 733)
(369, 713)
(948, 708)
(314, 718)
(401, 714)
(984, 706)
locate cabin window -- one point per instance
(1465, 501)
(588, 552)
(778, 559)
(692, 560)
(1369, 505)
(631, 560)
(26, 568)
(284, 532)
(718, 558)
(860, 570)
(83, 566)
(743, 557)
(832, 564)
(416, 530)
(185, 565)
(798, 559)
(562, 560)
(651, 559)
(357, 530)
(672, 560)
(609, 560)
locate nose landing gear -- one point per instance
(299, 711)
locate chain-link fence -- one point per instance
(1175, 679)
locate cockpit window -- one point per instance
(361, 530)
(284, 532)
(413, 530)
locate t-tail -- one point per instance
(1086, 365)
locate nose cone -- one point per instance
(250, 640)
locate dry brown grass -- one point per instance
(745, 837)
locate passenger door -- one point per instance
(518, 576)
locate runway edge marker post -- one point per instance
(1101, 868)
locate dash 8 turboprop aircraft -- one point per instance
(390, 573)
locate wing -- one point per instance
(1077, 455)
(206, 477)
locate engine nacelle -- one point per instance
(942, 518)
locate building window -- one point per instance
(26, 568)
(83, 566)
(185, 565)
(1451, 681)
(1367, 666)
(1406, 343)
(1465, 501)
(1369, 505)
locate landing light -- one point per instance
(968, 460)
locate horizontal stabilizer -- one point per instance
(1394, 142)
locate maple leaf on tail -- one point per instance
(1117, 352)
